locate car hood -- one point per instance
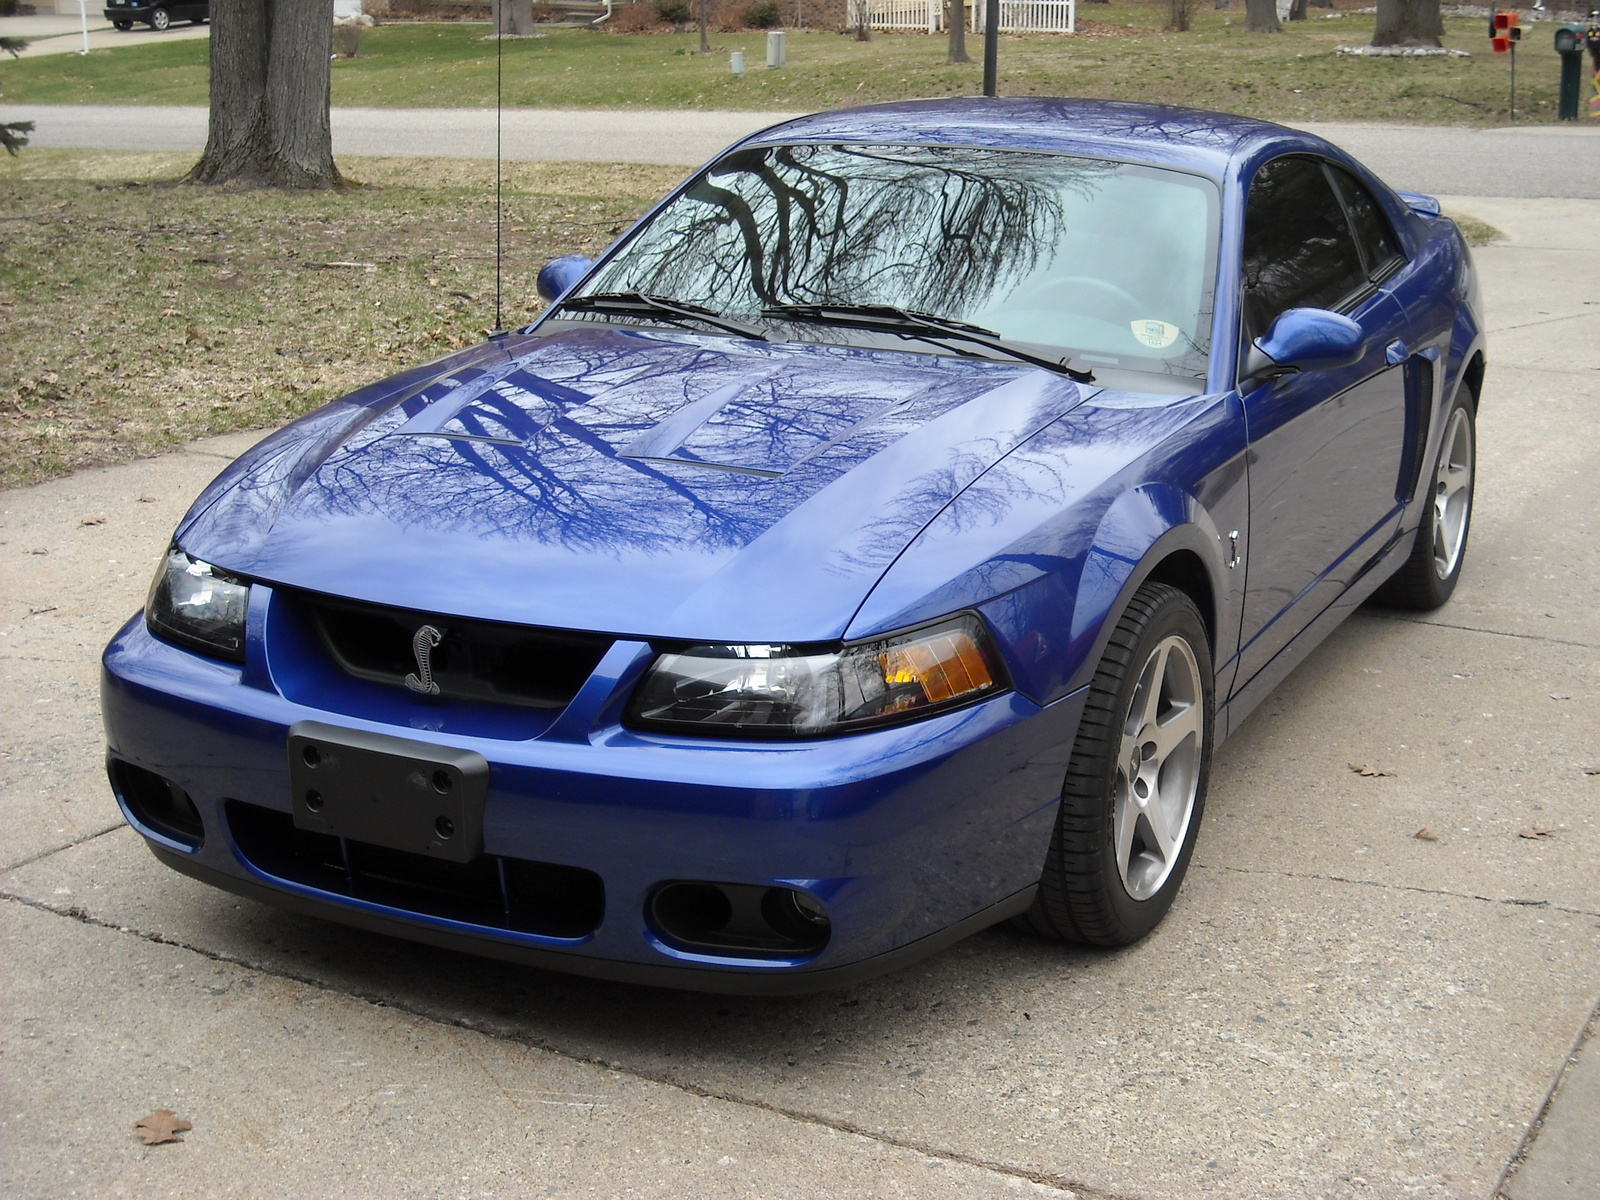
(625, 480)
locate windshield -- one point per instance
(1105, 262)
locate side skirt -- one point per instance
(1244, 701)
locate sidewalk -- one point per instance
(1531, 162)
(63, 34)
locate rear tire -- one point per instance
(1429, 576)
(1136, 782)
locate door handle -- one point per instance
(1395, 353)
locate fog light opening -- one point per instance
(739, 919)
(157, 803)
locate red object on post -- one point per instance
(1501, 45)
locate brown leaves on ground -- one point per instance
(1535, 832)
(1366, 772)
(1425, 835)
(163, 1125)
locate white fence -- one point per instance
(926, 15)
(1031, 16)
(1016, 16)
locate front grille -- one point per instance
(500, 893)
(472, 660)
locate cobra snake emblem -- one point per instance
(422, 644)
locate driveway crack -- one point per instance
(1515, 901)
(1064, 1184)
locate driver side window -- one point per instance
(1299, 251)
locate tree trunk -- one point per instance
(513, 17)
(1297, 10)
(704, 9)
(1261, 16)
(958, 33)
(270, 85)
(1408, 23)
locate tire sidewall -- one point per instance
(1176, 614)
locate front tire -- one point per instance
(1136, 782)
(1429, 576)
(160, 20)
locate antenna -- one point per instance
(499, 50)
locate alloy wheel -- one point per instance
(1452, 494)
(1158, 768)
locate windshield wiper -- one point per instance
(635, 304)
(892, 319)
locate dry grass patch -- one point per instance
(138, 315)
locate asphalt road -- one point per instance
(1334, 1007)
(1530, 162)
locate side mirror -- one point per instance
(557, 276)
(1304, 339)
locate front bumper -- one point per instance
(911, 837)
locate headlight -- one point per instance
(197, 606)
(786, 691)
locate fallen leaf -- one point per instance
(1559, 696)
(163, 1125)
(1425, 835)
(92, 521)
(1591, 770)
(147, 499)
(169, 312)
(46, 608)
(1366, 772)
(1535, 832)
(195, 335)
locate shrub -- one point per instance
(347, 39)
(763, 14)
(675, 12)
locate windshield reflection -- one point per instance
(1108, 261)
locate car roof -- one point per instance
(1161, 135)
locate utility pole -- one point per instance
(991, 45)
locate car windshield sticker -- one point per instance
(1158, 335)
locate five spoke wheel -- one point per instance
(1136, 782)
(1452, 493)
(1158, 769)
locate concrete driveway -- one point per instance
(1334, 1008)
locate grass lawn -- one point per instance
(139, 316)
(1294, 76)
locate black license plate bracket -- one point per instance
(388, 791)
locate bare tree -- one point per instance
(1408, 23)
(958, 33)
(1261, 16)
(703, 8)
(270, 83)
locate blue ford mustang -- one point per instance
(871, 547)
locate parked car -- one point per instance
(158, 14)
(872, 546)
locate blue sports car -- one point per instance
(872, 546)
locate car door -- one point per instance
(1326, 446)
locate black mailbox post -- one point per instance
(1569, 45)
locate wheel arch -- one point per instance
(1155, 533)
